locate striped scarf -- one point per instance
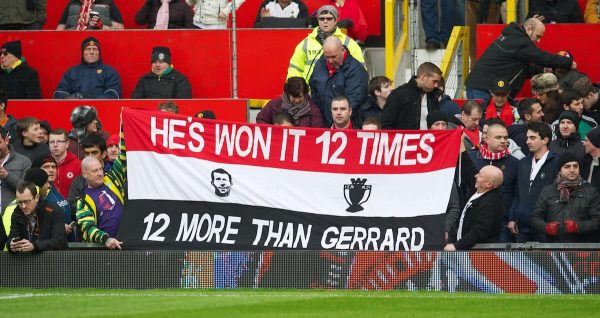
(84, 14)
(487, 154)
(565, 187)
(162, 18)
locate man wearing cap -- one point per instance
(590, 165)
(22, 14)
(309, 50)
(67, 164)
(437, 120)
(337, 73)
(91, 79)
(544, 87)
(17, 79)
(513, 56)
(163, 81)
(499, 106)
(112, 148)
(567, 138)
(530, 111)
(572, 100)
(568, 211)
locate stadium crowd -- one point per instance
(528, 169)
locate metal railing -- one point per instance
(455, 63)
(396, 35)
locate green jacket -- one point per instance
(15, 12)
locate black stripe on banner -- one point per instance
(177, 225)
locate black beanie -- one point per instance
(435, 116)
(161, 53)
(36, 175)
(570, 115)
(565, 158)
(89, 41)
(13, 48)
(593, 136)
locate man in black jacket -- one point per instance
(408, 105)
(163, 82)
(17, 79)
(480, 219)
(514, 56)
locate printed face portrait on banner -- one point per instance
(222, 182)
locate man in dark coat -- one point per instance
(535, 171)
(17, 79)
(337, 73)
(35, 225)
(163, 82)
(556, 11)
(568, 211)
(480, 219)
(515, 56)
(530, 110)
(408, 105)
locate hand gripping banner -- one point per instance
(208, 184)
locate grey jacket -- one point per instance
(16, 165)
(16, 12)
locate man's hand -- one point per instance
(512, 226)
(3, 173)
(552, 228)
(450, 248)
(264, 12)
(539, 17)
(22, 246)
(113, 244)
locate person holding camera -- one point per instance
(36, 226)
(90, 15)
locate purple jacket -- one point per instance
(312, 119)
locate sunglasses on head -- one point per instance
(325, 18)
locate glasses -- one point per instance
(326, 19)
(57, 142)
(24, 202)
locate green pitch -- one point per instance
(286, 303)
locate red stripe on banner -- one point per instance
(308, 149)
(502, 274)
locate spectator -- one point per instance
(545, 87)
(408, 105)
(309, 50)
(571, 100)
(513, 149)
(296, 102)
(445, 102)
(45, 130)
(7, 120)
(530, 111)
(480, 219)
(12, 170)
(163, 82)
(206, 114)
(590, 165)
(470, 117)
(17, 78)
(52, 195)
(379, 90)
(22, 14)
(282, 9)
(592, 12)
(67, 164)
(437, 25)
(513, 55)
(437, 120)
(495, 151)
(337, 73)
(100, 208)
(29, 143)
(36, 226)
(168, 106)
(112, 148)
(351, 17)
(85, 122)
(567, 138)
(91, 78)
(535, 171)
(90, 15)
(165, 14)
(590, 93)
(371, 123)
(212, 14)
(555, 11)
(283, 118)
(499, 106)
(341, 112)
(568, 210)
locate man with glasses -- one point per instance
(68, 165)
(17, 78)
(308, 51)
(36, 226)
(91, 79)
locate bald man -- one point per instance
(337, 73)
(515, 56)
(481, 218)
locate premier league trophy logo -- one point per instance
(356, 194)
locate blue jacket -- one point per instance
(350, 79)
(509, 166)
(92, 81)
(526, 194)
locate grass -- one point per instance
(286, 303)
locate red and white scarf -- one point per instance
(487, 154)
(162, 18)
(84, 14)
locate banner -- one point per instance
(203, 184)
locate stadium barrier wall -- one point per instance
(558, 37)
(58, 112)
(542, 272)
